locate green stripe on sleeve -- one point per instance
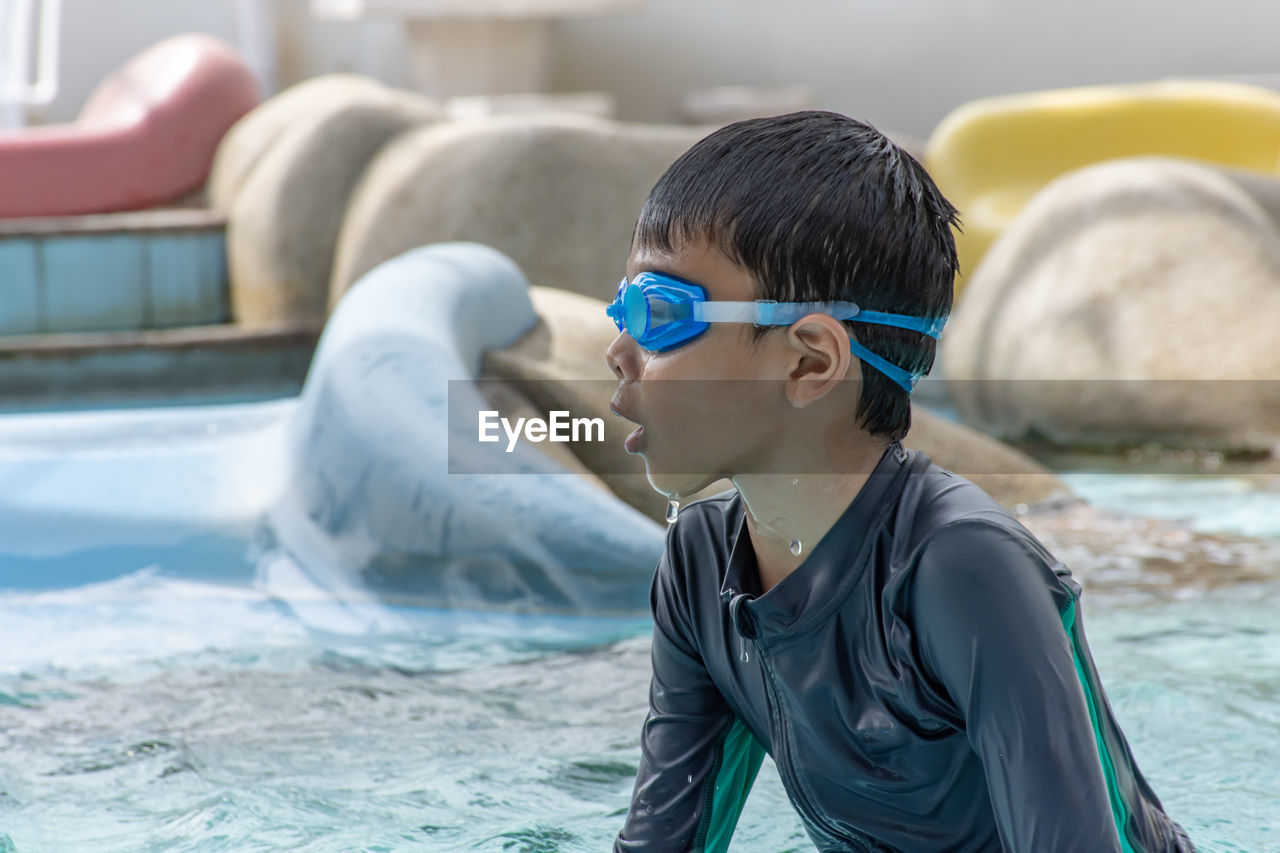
(1119, 810)
(735, 772)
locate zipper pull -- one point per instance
(742, 648)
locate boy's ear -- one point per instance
(821, 358)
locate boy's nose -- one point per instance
(623, 357)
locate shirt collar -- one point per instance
(820, 583)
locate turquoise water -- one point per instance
(1242, 505)
(153, 713)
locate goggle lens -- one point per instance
(635, 312)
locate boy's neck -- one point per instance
(786, 508)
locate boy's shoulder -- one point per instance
(957, 528)
(940, 500)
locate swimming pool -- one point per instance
(156, 710)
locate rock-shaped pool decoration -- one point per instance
(284, 177)
(557, 193)
(1133, 301)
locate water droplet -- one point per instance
(673, 511)
(796, 547)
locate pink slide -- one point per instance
(146, 136)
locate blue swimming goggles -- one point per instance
(663, 312)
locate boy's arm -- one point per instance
(991, 633)
(697, 759)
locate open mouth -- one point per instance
(634, 438)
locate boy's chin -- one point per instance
(677, 486)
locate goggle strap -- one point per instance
(932, 328)
(785, 313)
(727, 312)
(905, 379)
(764, 312)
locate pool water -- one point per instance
(149, 712)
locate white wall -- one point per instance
(99, 36)
(904, 64)
(901, 64)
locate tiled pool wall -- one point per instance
(113, 273)
(118, 307)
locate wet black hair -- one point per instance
(817, 206)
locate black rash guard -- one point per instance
(921, 680)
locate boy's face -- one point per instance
(705, 412)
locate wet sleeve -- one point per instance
(697, 759)
(986, 611)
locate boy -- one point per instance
(910, 656)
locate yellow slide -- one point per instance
(990, 156)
